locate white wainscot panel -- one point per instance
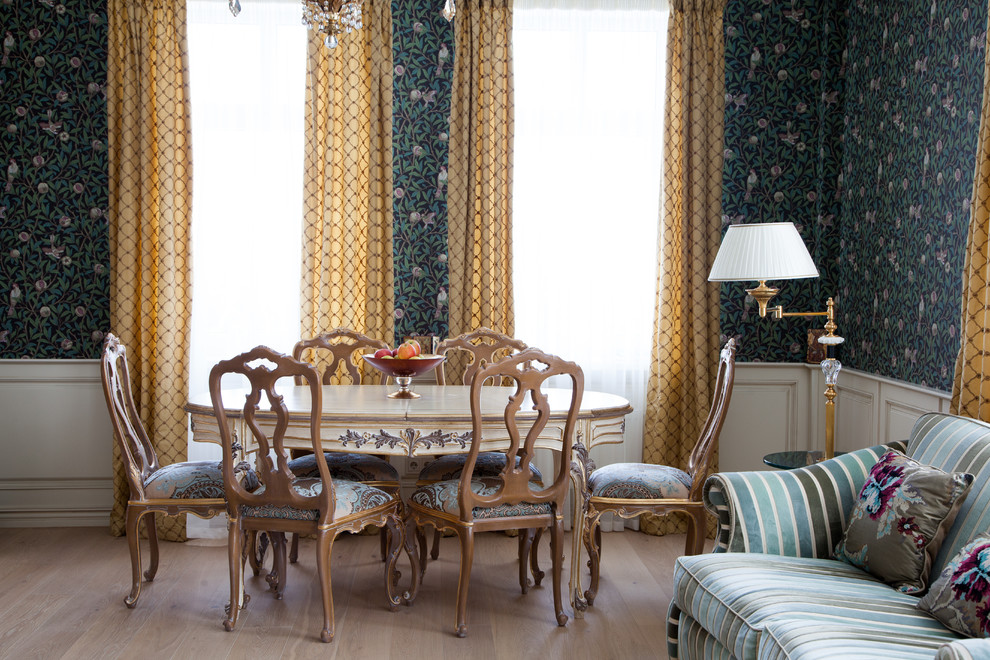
(869, 410)
(56, 440)
(767, 413)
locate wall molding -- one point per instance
(58, 445)
(781, 406)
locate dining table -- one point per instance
(363, 419)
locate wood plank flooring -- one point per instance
(62, 590)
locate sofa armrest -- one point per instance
(798, 513)
(964, 649)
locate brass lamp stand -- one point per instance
(830, 366)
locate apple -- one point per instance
(406, 351)
(383, 352)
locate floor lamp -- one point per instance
(775, 251)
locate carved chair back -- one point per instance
(699, 464)
(268, 429)
(528, 371)
(136, 450)
(479, 347)
(335, 352)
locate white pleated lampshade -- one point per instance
(762, 252)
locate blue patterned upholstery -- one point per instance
(192, 480)
(342, 465)
(442, 496)
(639, 481)
(351, 497)
(772, 589)
(489, 464)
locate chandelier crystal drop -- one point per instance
(332, 18)
(449, 9)
(235, 7)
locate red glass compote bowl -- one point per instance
(403, 371)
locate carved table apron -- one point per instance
(362, 419)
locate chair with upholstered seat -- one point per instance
(337, 354)
(630, 490)
(509, 500)
(472, 351)
(187, 487)
(285, 503)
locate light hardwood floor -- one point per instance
(62, 590)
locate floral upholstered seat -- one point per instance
(200, 479)
(354, 467)
(489, 464)
(349, 497)
(639, 481)
(442, 496)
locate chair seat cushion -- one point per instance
(639, 481)
(189, 480)
(737, 596)
(489, 464)
(351, 497)
(353, 467)
(442, 496)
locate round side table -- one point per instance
(788, 460)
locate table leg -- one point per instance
(577, 534)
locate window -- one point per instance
(247, 89)
(589, 89)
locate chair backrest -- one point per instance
(483, 346)
(528, 371)
(699, 465)
(136, 451)
(334, 351)
(264, 368)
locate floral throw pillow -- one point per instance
(904, 511)
(960, 597)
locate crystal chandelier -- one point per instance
(332, 17)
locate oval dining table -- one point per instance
(362, 419)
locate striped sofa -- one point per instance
(771, 589)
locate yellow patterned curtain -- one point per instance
(971, 386)
(686, 331)
(149, 216)
(479, 182)
(347, 277)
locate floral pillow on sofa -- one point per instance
(904, 511)
(960, 597)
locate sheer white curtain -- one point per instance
(589, 89)
(247, 79)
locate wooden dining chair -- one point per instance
(469, 352)
(337, 354)
(509, 500)
(284, 502)
(630, 490)
(187, 487)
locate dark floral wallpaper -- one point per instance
(858, 122)
(914, 73)
(54, 279)
(783, 124)
(423, 50)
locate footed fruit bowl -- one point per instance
(403, 371)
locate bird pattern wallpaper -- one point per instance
(54, 250)
(423, 52)
(858, 122)
(855, 120)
